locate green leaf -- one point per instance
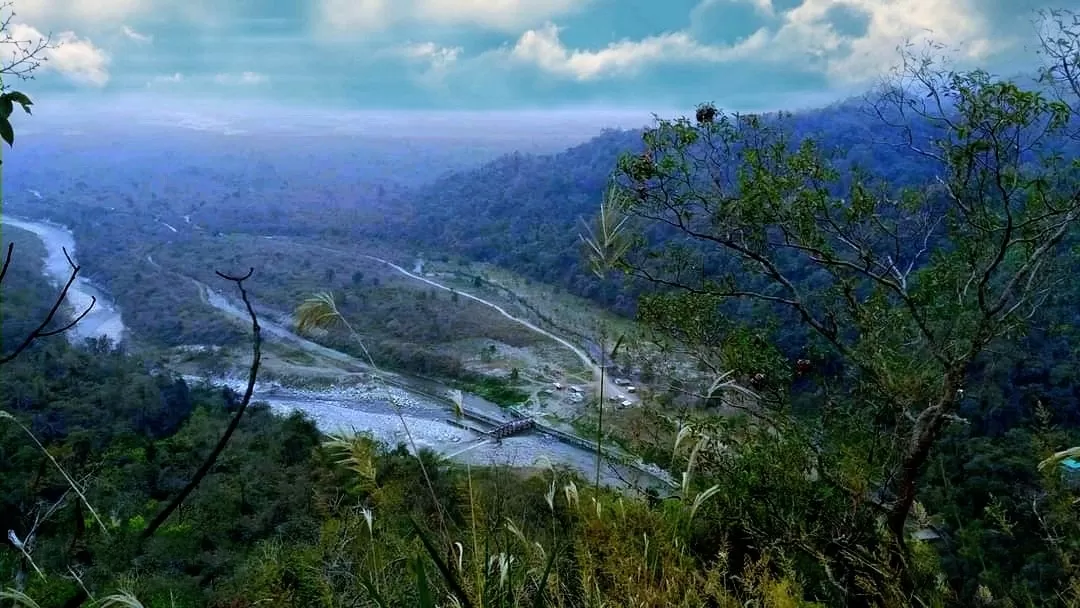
(6, 131)
(373, 592)
(6, 107)
(422, 586)
(21, 99)
(538, 601)
(447, 574)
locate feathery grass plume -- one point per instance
(512, 527)
(549, 496)
(356, 453)
(724, 381)
(369, 519)
(701, 498)
(458, 399)
(321, 311)
(18, 598)
(502, 561)
(609, 242)
(24, 549)
(317, 312)
(571, 492)
(71, 482)
(122, 599)
(686, 476)
(460, 555)
(685, 430)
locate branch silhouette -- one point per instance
(256, 357)
(42, 331)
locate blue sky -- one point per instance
(506, 54)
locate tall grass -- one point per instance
(320, 311)
(506, 566)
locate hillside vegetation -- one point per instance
(891, 331)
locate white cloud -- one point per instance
(136, 36)
(436, 60)
(543, 48)
(497, 14)
(66, 12)
(242, 79)
(436, 56)
(74, 57)
(502, 15)
(166, 80)
(807, 37)
(802, 38)
(765, 7)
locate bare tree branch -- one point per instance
(26, 56)
(211, 459)
(7, 261)
(42, 331)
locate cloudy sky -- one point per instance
(505, 54)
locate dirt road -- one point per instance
(610, 388)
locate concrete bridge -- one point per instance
(512, 428)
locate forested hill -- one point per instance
(525, 212)
(520, 211)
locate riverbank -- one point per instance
(411, 411)
(105, 318)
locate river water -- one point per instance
(104, 319)
(428, 423)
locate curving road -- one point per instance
(610, 388)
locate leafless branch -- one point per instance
(7, 261)
(211, 459)
(42, 331)
(26, 55)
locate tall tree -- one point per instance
(904, 289)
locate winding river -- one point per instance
(104, 319)
(428, 423)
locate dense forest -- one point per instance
(526, 212)
(887, 288)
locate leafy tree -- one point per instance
(22, 59)
(901, 289)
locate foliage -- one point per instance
(901, 290)
(907, 343)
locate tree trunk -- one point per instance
(923, 437)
